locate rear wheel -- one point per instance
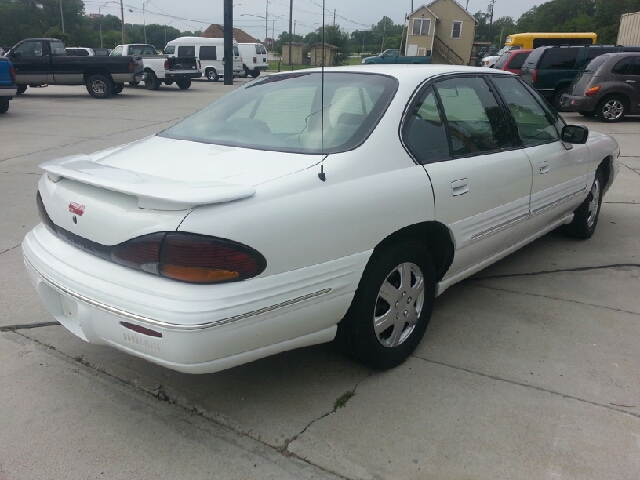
(555, 101)
(211, 74)
(184, 83)
(246, 71)
(21, 89)
(585, 218)
(255, 73)
(99, 86)
(391, 307)
(151, 81)
(4, 105)
(611, 109)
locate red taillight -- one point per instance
(255, 59)
(190, 257)
(534, 76)
(592, 91)
(12, 72)
(132, 67)
(166, 64)
(142, 330)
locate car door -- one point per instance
(31, 63)
(559, 170)
(481, 179)
(625, 75)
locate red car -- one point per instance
(512, 60)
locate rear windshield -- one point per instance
(518, 60)
(283, 113)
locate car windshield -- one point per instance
(283, 113)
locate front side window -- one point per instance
(456, 29)
(425, 133)
(169, 50)
(29, 49)
(117, 52)
(236, 52)
(475, 122)
(533, 122)
(286, 113)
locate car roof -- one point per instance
(405, 72)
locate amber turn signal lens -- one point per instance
(197, 274)
(592, 91)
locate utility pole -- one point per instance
(290, 23)
(363, 35)
(491, 4)
(122, 20)
(384, 32)
(334, 17)
(144, 21)
(228, 42)
(61, 16)
(266, 23)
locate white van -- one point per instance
(210, 52)
(254, 57)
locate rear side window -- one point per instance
(187, 51)
(596, 52)
(534, 125)
(425, 133)
(622, 67)
(635, 68)
(258, 49)
(208, 52)
(236, 52)
(518, 60)
(594, 64)
(475, 121)
(559, 59)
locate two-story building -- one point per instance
(442, 29)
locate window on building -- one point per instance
(421, 26)
(456, 29)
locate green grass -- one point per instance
(276, 66)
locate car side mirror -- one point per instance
(575, 134)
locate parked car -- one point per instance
(491, 59)
(7, 84)
(254, 58)
(609, 87)
(102, 52)
(160, 69)
(266, 222)
(80, 52)
(550, 70)
(40, 61)
(512, 60)
(210, 53)
(393, 56)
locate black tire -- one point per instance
(183, 83)
(585, 218)
(21, 89)
(555, 100)
(612, 108)
(390, 347)
(246, 72)
(211, 74)
(117, 88)
(4, 105)
(584, 113)
(133, 84)
(255, 73)
(151, 81)
(99, 86)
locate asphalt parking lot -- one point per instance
(529, 370)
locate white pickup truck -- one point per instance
(160, 69)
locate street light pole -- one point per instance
(61, 16)
(144, 20)
(122, 20)
(290, 25)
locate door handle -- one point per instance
(630, 81)
(459, 187)
(543, 167)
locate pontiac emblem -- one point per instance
(76, 208)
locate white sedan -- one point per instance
(305, 207)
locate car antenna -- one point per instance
(321, 175)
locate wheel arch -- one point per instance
(96, 71)
(606, 166)
(434, 235)
(622, 95)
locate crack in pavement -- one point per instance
(623, 203)
(9, 249)
(160, 394)
(611, 406)
(560, 270)
(11, 328)
(555, 298)
(627, 166)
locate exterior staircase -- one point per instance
(449, 55)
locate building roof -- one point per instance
(434, 1)
(425, 7)
(217, 31)
(326, 45)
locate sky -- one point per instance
(249, 15)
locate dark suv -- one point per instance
(550, 70)
(609, 86)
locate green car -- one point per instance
(393, 56)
